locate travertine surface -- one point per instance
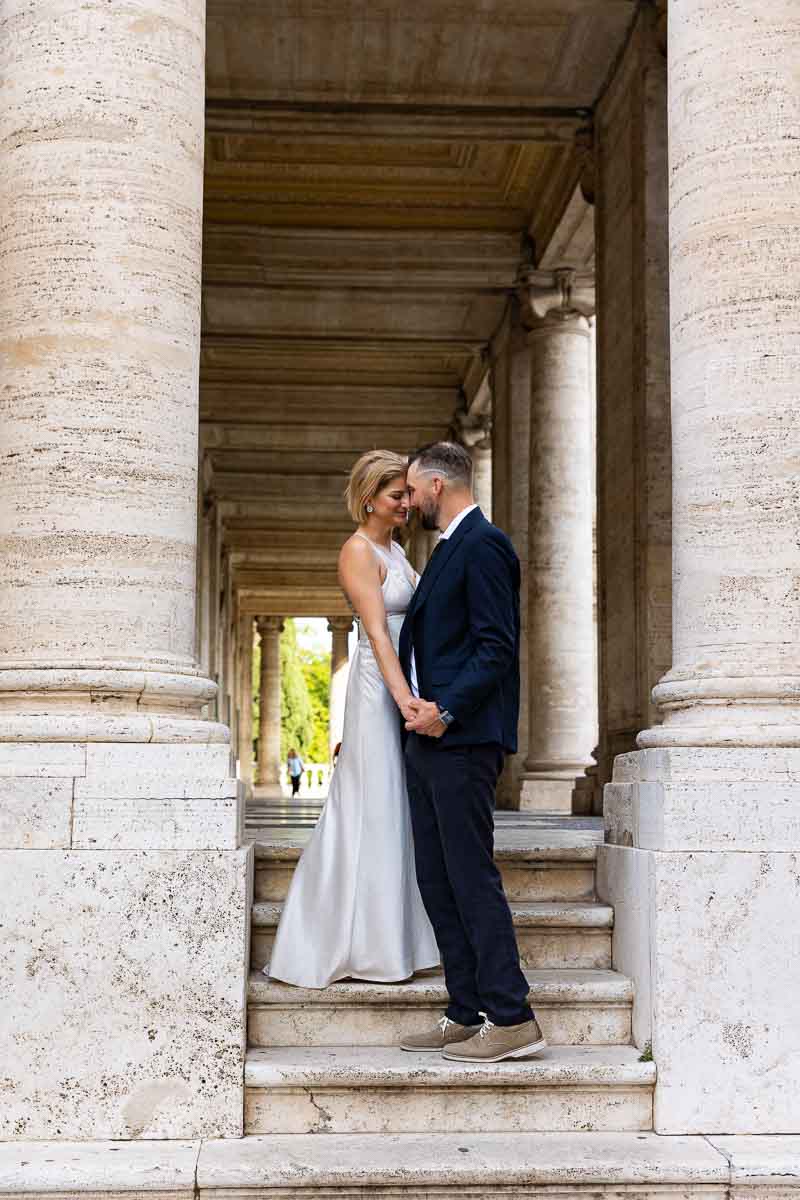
(510, 378)
(269, 730)
(102, 122)
(726, 974)
(562, 704)
(385, 1090)
(104, 796)
(339, 629)
(634, 471)
(123, 993)
(735, 286)
(99, 1167)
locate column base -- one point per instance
(701, 865)
(127, 895)
(545, 795)
(115, 703)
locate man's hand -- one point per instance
(426, 720)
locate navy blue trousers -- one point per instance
(451, 793)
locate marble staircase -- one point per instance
(334, 1110)
(326, 1062)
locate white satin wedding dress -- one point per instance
(354, 908)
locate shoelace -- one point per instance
(486, 1028)
(445, 1021)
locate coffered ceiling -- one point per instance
(375, 175)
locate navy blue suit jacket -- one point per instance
(463, 623)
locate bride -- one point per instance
(354, 908)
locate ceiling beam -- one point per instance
(387, 122)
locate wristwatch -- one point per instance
(445, 717)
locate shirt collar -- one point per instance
(456, 521)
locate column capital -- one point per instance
(340, 624)
(266, 625)
(561, 294)
(473, 430)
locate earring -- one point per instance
(370, 508)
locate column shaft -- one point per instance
(269, 726)
(99, 332)
(245, 701)
(735, 280)
(560, 609)
(120, 854)
(339, 628)
(702, 834)
(634, 469)
(511, 414)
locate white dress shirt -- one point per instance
(451, 528)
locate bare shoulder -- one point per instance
(357, 556)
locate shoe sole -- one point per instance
(428, 1049)
(520, 1052)
(422, 1049)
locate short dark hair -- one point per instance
(444, 458)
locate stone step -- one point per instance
(549, 933)
(536, 865)
(408, 1166)
(358, 1089)
(476, 1166)
(574, 1007)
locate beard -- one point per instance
(429, 515)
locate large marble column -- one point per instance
(339, 628)
(561, 701)
(634, 471)
(119, 816)
(269, 722)
(245, 701)
(510, 358)
(705, 815)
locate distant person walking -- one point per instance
(295, 766)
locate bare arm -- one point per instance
(360, 578)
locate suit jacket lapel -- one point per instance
(440, 559)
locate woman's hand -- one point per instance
(409, 708)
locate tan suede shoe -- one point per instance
(446, 1033)
(494, 1043)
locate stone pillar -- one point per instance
(269, 722)
(475, 434)
(510, 358)
(634, 470)
(704, 871)
(339, 628)
(245, 702)
(118, 811)
(560, 609)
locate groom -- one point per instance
(459, 646)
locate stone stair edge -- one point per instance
(185, 1167)
(585, 985)
(344, 1067)
(554, 914)
(272, 852)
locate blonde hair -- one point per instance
(372, 472)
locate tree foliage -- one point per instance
(296, 712)
(317, 673)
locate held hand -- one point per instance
(425, 718)
(409, 708)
